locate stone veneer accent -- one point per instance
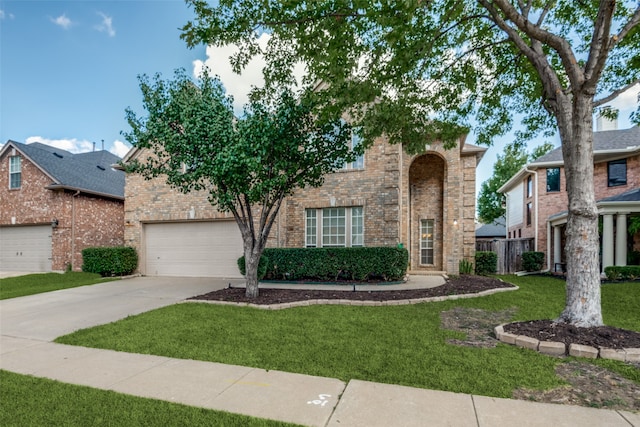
(554, 348)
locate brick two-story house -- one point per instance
(537, 198)
(54, 203)
(425, 202)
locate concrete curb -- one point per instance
(353, 302)
(554, 348)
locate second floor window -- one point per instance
(617, 173)
(355, 142)
(15, 172)
(553, 179)
(529, 186)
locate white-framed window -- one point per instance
(15, 172)
(334, 227)
(355, 142)
(426, 241)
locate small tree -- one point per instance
(490, 202)
(247, 164)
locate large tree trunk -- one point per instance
(252, 254)
(582, 306)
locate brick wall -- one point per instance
(446, 181)
(83, 220)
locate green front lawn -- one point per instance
(397, 344)
(29, 401)
(12, 287)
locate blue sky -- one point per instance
(68, 70)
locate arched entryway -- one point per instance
(426, 195)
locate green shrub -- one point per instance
(465, 266)
(633, 258)
(110, 261)
(617, 272)
(532, 261)
(263, 265)
(486, 262)
(333, 264)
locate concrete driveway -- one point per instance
(49, 315)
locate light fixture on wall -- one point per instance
(455, 222)
(54, 223)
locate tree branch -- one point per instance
(635, 20)
(559, 44)
(599, 48)
(615, 93)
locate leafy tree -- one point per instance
(419, 70)
(490, 202)
(248, 164)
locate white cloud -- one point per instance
(119, 148)
(4, 15)
(71, 145)
(236, 85)
(628, 100)
(106, 25)
(62, 21)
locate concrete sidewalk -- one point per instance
(28, 324)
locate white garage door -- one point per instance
(193, 249)
(25, 248)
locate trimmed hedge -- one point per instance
(532, 261)
(486, 262)
(263, 264)
(629, 272)
(333, 264)
(110, 261)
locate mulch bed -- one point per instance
(464, 284)
(598, 337)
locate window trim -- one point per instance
(318, 225)
(616, 162)
(358, 163)
(425, 224)
(13, 172)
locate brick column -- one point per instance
(607, 241)
(621, 239)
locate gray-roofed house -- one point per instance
(493, 230)
(54, 203)
(537, 199)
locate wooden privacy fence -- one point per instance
(509, 252)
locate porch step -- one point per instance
(426, 273)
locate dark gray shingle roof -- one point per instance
(495, 229)
(89, 172)
(627, 196)
(602, 141)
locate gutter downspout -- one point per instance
(73, 228)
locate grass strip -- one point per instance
(30, 284)
(397, 344)
(30, 401)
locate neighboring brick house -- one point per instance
(53, 204)
(537, 198)
(425, 202)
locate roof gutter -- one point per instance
(94, 193)
(535, 197)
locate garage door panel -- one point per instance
(25, 248)
(197, 249)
